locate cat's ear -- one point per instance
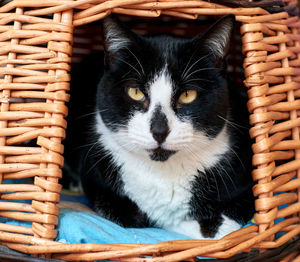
(116, 37)
(217, 39)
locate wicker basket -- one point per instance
(36, 39)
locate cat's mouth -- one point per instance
(160, 154)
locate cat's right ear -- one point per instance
(116, 37)
(216, 41)
(218, 38)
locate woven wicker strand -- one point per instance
(36, 52)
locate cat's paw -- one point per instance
(228, 226)
(190, 228)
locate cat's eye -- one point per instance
(136, 94)
(188, 96)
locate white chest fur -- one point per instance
(162, 194)
(163, 189)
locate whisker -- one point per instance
(235, 125)
(233, 151)
(188, 63)
(137, 61)
(195, 86)
(131, 66)
(190, 68)
(96, 163)
(197, 79)
(82, 146)
(126, 79)
(199, 70)
(216, 183)
(87, 154)
(225, 172)
(93, 113)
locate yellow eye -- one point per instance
(188, 96)
(136, 94)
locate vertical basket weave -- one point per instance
(36, 40)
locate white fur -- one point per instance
(163, 189)
(228, 226)
(192, 228)
(161, 92)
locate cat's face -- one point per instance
(163, 95)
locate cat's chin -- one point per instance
(160, 154)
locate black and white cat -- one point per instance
(157, 135)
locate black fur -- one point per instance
(223, 189)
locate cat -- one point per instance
(158, 136)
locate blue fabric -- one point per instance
(82, 227)
(76, 227)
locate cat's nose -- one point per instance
(159, 126)
(159, 132)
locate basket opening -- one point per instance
(87, 40)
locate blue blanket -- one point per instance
(81, 227)
(76, 227)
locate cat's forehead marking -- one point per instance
(161, 90)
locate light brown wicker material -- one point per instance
(36, 39)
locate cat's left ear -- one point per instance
(116, 38)
(217, 39)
